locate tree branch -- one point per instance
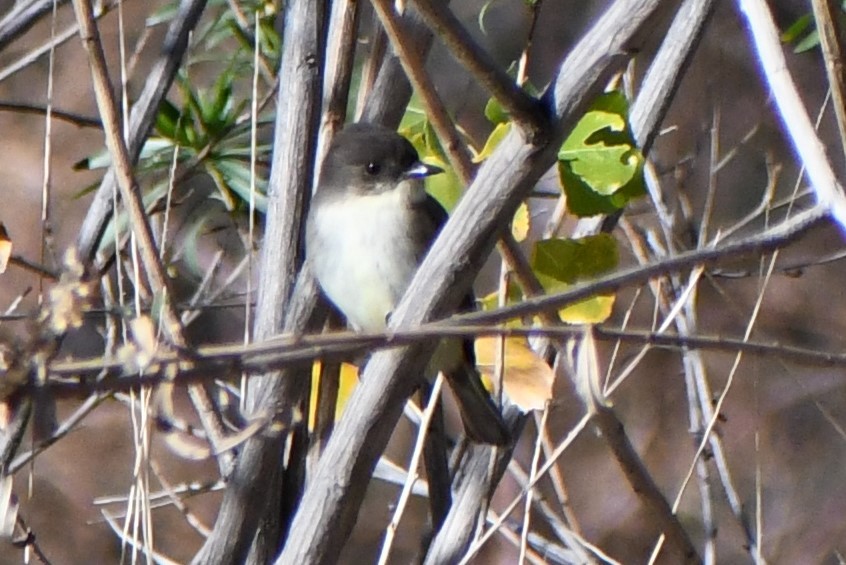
(22, 17)
(826, 13)
(665, 72)
(525, 110)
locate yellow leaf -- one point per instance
(527, 379)
(591, 310)
(521, 224)
(496, 136)
(347, 382)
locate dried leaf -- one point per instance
(527, 378)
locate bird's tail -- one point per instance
(483, 421)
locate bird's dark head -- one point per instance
(370, 159)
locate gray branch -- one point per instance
(22, 17)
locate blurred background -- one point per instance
(782, 424)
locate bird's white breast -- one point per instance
(362, 256)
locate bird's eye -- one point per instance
(372, 168)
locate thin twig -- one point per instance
(22, 17)
(525, 110)
(413, 464)
(58, 39)
(826, 14)
(70, 117)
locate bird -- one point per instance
(369, 226)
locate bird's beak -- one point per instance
(419, 170)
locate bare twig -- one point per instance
(23, 16)
(525, 110)
(832, 43)
(297, 349)
(69, 117)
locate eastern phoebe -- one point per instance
(370, 224)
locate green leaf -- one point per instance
(221, 105)
(600, 148)
(600, 167)
(560, 263)
(152, 149)
(232, 176)
(584, 201)
(811, 41)
(167, 119)
(568, 261)
(495, 113)
(797, 28)
(522, 222)
(445, 187)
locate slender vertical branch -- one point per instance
(832, 41)
(285, 300)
